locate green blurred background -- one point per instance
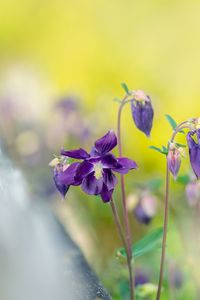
(50, 49)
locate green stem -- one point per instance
(181, 126)
(164, 234)
(118, 223)
(125, 211)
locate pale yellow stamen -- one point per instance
(54, 162)
(98, 169)
(197, 123)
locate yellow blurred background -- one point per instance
(90, 47)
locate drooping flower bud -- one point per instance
(194, 151)
(59, 167)
(142, 111)
(174, 160)
(62, 188)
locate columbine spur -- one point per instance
(94, 170)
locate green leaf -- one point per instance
(125, 87)
(117, 100)
(154, 184)
(180, 145)
(171, 121)
(148, 243)
(183, 179)
(145, 245)
(165, 150)
(124, 289)
(157, 149)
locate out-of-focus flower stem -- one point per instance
(125, 211)
(166, 212)
(164, 233)
(118, 223)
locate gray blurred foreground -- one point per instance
(38, 260)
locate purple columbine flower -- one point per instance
(142, 112)
(194, 151)
(94, 171)
(174, 161)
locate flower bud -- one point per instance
(59, 166)
(142, 111)
(174, 161)
(62, 188)
(194, 151)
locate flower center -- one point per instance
(98, 170)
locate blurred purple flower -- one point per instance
(177, 278)
(146, 208)
(140, 277)
(142, 112)
(192, 190)
(174, 161)
(95, 172)
(67, 104)
(194, 151)
(175, 275)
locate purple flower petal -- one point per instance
(106, 143)
(78, 153)
(94, 152)
(126, 164)
(106, 194)
(62, 188)
(83, 170)
(91, 185)
(94, 159)
(190, 141)
(110, 161)
(109, 179)
(194, 153)
(68, 176)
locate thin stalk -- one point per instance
(181, 126)
(164, 234)
(125, 211)
(118, 223)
